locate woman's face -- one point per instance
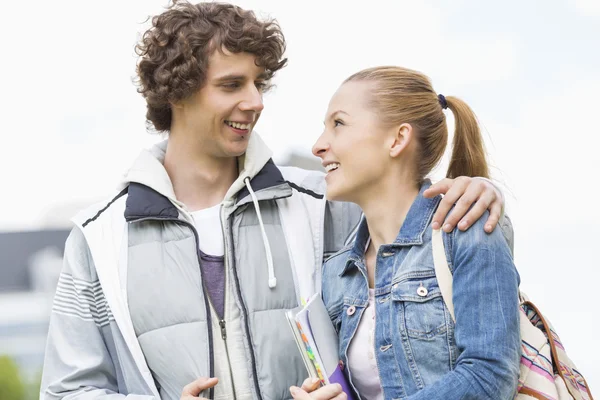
(354, 147)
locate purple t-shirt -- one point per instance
(213, 275)
(210, 238)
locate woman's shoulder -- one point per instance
(475, 253)
(476, 236)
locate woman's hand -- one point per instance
(310, 391)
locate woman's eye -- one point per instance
(338, 122)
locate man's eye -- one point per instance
(232, 85)
(262, 86)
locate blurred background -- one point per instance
(73, 122)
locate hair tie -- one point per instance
(442, 101)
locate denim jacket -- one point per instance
(420, 352)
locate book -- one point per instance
(318, 343)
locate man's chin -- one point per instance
(237, 150)
(234, 146)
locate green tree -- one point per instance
(11, 385)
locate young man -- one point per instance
(187, 272)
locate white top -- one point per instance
(210, 233)
(361, 355)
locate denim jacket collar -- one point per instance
(411, 233)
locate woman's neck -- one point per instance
(386, 210)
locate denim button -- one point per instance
(351, 310)
(422, 291)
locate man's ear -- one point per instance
(403, 135)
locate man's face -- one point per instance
(220, 117)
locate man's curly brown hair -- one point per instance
(174, 52)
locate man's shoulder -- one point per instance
(101, 208)
(292, 171)
(308, 181)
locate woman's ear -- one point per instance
(402, 138)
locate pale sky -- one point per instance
(73, 121)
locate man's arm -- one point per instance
(341, 223)
(472, 196)
(78, 363)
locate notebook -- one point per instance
(318, 342)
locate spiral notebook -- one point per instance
(318, 343)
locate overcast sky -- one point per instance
(73, 122)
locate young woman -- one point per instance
(385, 130)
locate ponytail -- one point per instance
(468, 152)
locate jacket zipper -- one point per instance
(224, 337)
(207, 301)
(244, 311)
(222, 323)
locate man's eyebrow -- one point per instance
(238, 77)
(230, 77)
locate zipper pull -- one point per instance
(223, 330)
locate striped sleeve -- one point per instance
(81, 299)
(78, 364)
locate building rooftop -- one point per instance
(17, 250)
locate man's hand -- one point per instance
(192, 391)
(465, 191)
(309, 391)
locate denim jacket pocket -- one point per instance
(422, 305)
(423, 326)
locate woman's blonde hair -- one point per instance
(401, 95)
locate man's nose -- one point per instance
(253, 101)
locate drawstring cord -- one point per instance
(272, 279)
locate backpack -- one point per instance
(546, 372)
